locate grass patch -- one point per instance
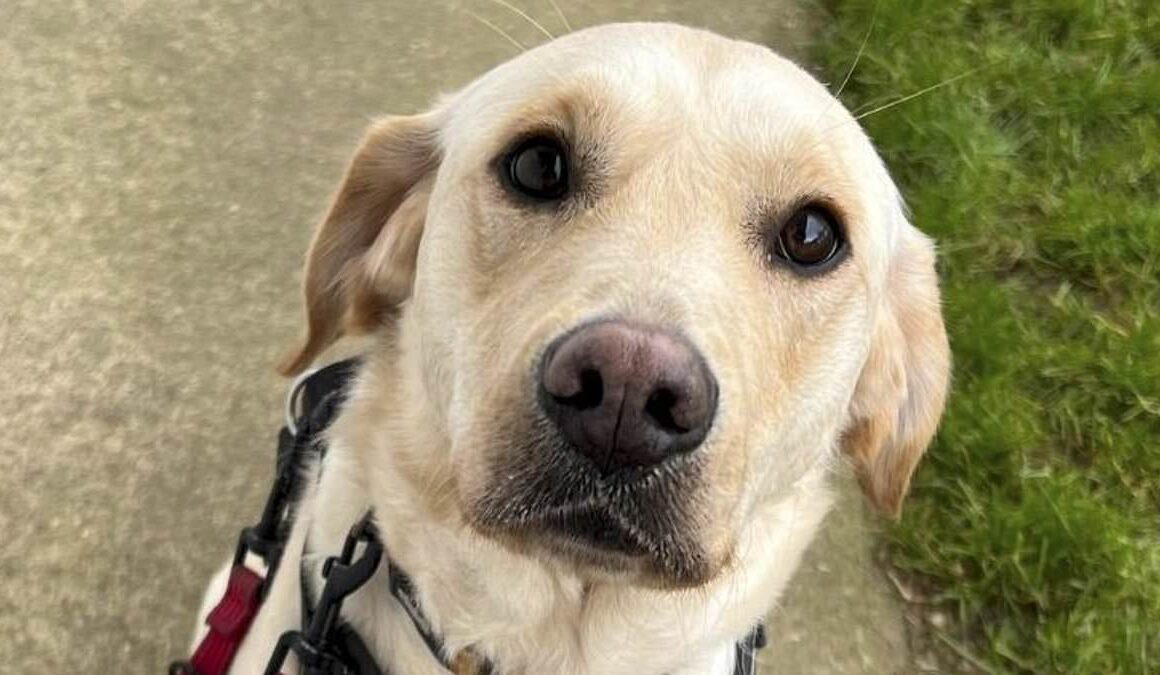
(1037, 512)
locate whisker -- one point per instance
(861, 50)
(560, 13)
(498, 30)
(920, 92)
(521, 13)
(835, 100)
(870, 103)
(857, 116)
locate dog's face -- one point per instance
(653, 277)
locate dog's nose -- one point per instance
(627, 395)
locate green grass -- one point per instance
(1036, 514)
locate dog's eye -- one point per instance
(538, 168)
(809, 238)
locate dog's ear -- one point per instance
(900, 394)
(361, 263)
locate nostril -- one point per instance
(659, 408)
(591, 392)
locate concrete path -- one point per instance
(161, 163)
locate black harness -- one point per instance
(326, 644)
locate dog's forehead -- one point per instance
(659, 74)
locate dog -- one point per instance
(631, 297)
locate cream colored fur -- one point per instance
(459, 289)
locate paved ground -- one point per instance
(161, 163)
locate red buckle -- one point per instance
(228, 622)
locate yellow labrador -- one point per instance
(632, 294)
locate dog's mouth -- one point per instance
(597, 530)
(642, 523)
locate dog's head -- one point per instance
(646, 277)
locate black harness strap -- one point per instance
(745, 661)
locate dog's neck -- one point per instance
(525, 614)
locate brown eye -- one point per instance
(538, 168)
(809, 238)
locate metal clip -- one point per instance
(315, 647)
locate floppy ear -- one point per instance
(900, 394)
(361, 263)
